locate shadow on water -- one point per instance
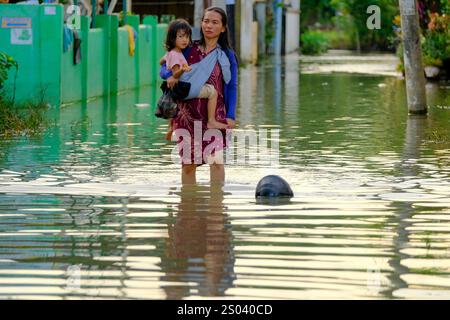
(407, 170)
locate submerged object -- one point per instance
(272, 187)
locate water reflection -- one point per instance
(199, 249)
(276, 90)
(407, 171)
(407, 277)
(370, 217)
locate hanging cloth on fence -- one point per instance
(131, 39)
(67, 38)
(76, 47)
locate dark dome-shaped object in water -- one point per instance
(273, 186)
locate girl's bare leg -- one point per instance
(170, 131)
(188, 174)
(212, 122)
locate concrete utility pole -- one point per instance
(246, 30)
(292, 37)
(415, 79)
(261, 18)
(278, 11)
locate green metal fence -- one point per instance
(106, 66)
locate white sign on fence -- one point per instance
(22, 36)
(50, 11)
(21, 22)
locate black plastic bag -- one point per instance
(167, 106)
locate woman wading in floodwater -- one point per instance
(214, 35)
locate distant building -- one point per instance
(247, 22)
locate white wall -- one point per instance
(292, 36)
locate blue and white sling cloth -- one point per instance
(201, 71)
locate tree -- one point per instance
(316, 11)
(357, 10)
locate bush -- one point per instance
(338, 39)
(26, 119)
(16, 119)
(356, 12)
(316, 12)
(314, 43)
(435, 41)
(436, 45)
(6, 63)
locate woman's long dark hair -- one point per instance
(224, 38)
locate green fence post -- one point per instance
(51, 43)
(133, 21)
(84, 56)
(114, 55)
(104, 22)
(153, 22)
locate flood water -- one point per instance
(93, 208)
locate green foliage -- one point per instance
(435, 38)
(349, 17)
(167, 18)
(15, 119)
(354, 14)
(338, 39)
(6, 63)
(436, 49)
(313, 43)
(445, 6)
(399, 53)
(316, 12)
(436, 44)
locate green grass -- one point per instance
(315, 42)
(437, 137)
(23, 119)
(338, 39)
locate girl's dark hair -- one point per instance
(174, 27)
(224, 38)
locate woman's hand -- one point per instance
(171, 82)
(231, 123)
